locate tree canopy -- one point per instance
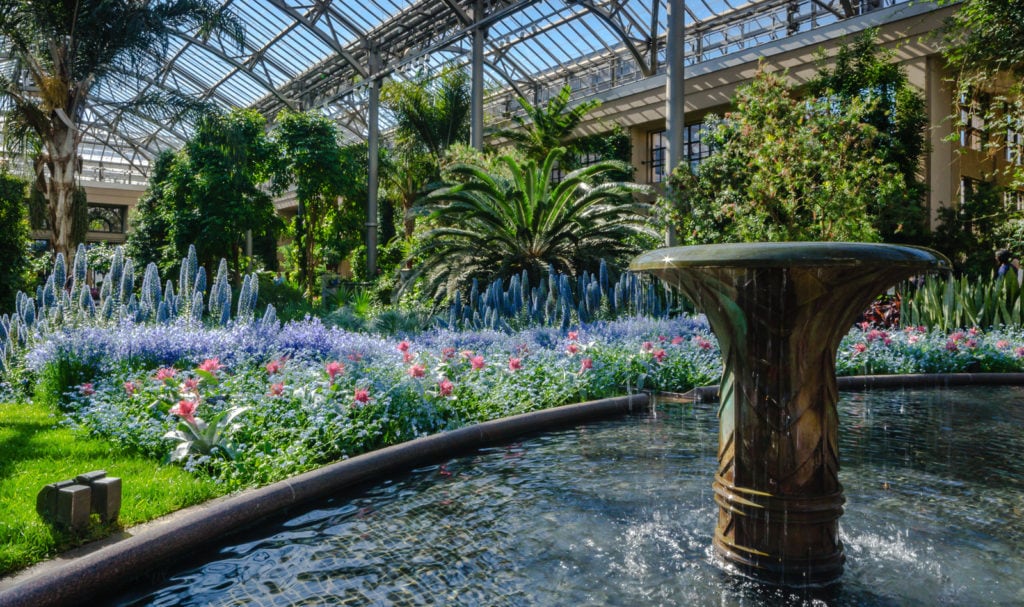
(983, 43)
(864, 71)
(213, 191)
(13, 238)
(430, 114)
(783, 168)
(313, 163)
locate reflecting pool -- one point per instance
(621, 512)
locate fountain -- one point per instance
(779, 311)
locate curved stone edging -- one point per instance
(855, 383)
(109, 568)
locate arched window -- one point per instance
(109, 219)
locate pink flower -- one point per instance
(971, 343)
(190, 385)
(1019, 351)
(887, 340)
(913, 339)
(572, 349)
(210, 365)
(860, 348)
(333, 368)
(417, 371)
(677, 340)
(185, 409)
(86, 389)
(467, 354)
(574, 335)
(407, 357)
(165, 373)
(362, 396)
(646, 346)
(515, 364)
(875, 334)
(951, 345)
(702, 343)
(864, 326)
(973, 331)
(404, 345)
(274, 366)
(447, 353)
(586, 363)
(277, 389)
(659, 355)
(1002, 343)
(922, 329)
(445, 387)
(477, 362)
(355, 357)
(662, 339)
(957, 337)
(130, 388)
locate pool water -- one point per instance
(621, 512)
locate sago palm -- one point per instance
(496, 223)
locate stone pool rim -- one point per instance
(104, 567)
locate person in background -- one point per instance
(1006, 262)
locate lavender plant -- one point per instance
(64, 308)
(557, 301)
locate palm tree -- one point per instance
(545, 128)
(64, 50)
(430, 116)
(497, 223)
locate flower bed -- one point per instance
(254, 403)
(250, 404)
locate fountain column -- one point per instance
(779, 311)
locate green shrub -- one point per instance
(13, 239)
(286, 297)
(59, 377)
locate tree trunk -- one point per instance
(408, 219)
(312, 263)
(61, 191)
(301, 247)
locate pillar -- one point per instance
(674, 92)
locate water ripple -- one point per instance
(622, 513)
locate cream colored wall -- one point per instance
(113, 194)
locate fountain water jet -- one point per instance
(779, 311)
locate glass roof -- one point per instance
(306, 54)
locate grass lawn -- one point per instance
(35, 451)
